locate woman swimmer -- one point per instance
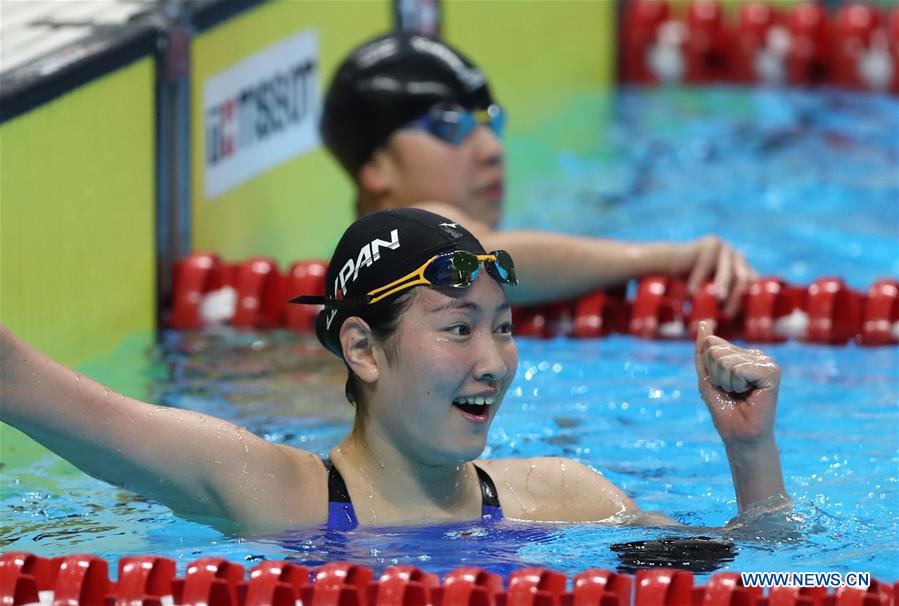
(427, 340)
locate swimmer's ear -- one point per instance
(358, 349)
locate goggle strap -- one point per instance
(418, 273)
(411, 279)
(396, 289)
(330, 301)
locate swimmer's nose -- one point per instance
(491, 366)
(489, 146)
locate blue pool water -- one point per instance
(806, 185)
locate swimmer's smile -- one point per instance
(475, 408)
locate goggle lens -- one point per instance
(459, 269)
(454, 125)
(502, 269)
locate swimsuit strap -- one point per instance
(490, 507)
(341, 515)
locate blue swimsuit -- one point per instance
(342, 516)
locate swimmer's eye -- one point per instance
(505, 328)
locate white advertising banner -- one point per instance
(261, 112)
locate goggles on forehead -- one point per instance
(456, 270)
(453, 270)
(452, 124)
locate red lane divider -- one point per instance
(881, 315)
(274, 584)
(144, 580)
(755, 22)
(834, 312)
(403, 586)
(209, 581)
(893, 34)
(705, 43)
(825, 312)
(808, 55)
(663, 587)
(469, 587)
(641, 30)
(602, 587)
(16, 587)
(195, 276)
(658, 310)
(82, 580)
(534, 587)
(41, 570)
(601, 313)
(727, 588)
(260, 293)
(340, 584)
(150, 580)
(854, 28)
(854, 47)
(304, 278)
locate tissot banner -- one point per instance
(261, 112)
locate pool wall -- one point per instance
(77, 227)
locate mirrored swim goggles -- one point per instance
(457, 269)
(453, 123)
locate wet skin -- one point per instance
(414, 166)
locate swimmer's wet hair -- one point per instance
(388, 82)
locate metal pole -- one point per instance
(172, 147)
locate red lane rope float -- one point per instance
(254, 293)
(640, 32)
(259, 288)
(195, 277)
(809, 51)
(304, 278)
(856, 47)
(82, 580)
(854, 29)
(755, 21)
(705, 44)
(881, 313)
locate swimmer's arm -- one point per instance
(195, 464)
(555, 489)
(740, 388)
(553, 266)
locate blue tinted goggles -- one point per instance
(452, 124)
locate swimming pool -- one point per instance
(806, 184)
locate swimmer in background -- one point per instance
(413, 123)
(426, 336)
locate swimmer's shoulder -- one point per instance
(284, 488)
(554, 489)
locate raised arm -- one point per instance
(196, 464)
(554, 266)
(740, 387)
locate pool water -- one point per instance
(806, 185)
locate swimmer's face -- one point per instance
(418, 167)
(453, 346)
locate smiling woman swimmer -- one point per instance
(427, 340)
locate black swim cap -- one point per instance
(376, 250)
(388, 82)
